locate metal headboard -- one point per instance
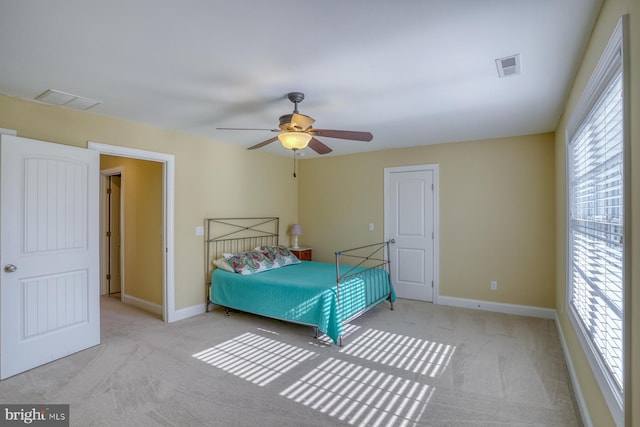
(232, 235)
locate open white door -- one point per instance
(49, 283)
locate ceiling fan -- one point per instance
(297, 133)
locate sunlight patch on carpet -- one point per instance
(400, 351)
(254, 358)
(361, 396)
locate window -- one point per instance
(596, 222)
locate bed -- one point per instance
(250, 272)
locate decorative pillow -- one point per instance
(223, 264)
(278, 255)
(250, 262)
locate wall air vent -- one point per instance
(508, 66)
(56, 97)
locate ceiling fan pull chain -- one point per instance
(294, 162)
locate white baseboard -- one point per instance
(498, 307)
(185, 313)
(144, 305)
(582, 405)
(11, 132)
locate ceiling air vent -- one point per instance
(508, 66)
(56, 97)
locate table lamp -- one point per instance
(296, 230)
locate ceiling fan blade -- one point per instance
(319, 147)
(263, 143)
(300, 121)
(271, 130)
(343, 134)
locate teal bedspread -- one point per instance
(304, 293)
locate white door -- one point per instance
(410, 224)
(49, 283)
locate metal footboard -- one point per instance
(362, 280)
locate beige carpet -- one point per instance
(420, 364)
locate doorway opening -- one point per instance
(167, 161)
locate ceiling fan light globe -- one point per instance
(294, 140)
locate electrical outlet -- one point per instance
(494, 285)
(199, 230)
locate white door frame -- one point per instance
(168, 184)
(104, 175)
(436, 216)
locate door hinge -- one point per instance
(432, 187)
(108, 234)
(432, 284)
(108, 191)
(108, 277)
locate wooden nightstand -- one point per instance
(303, 254)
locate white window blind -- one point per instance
(596, 223)
(597, 228)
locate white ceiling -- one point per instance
(412, 72)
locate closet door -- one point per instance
(410, 223)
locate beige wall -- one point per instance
(497, 212)
(142, 218)
(598, 410)
(211, 178)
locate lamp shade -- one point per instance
(296, 230)
(294, 140)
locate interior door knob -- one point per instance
(392, 240)
(10, 268)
